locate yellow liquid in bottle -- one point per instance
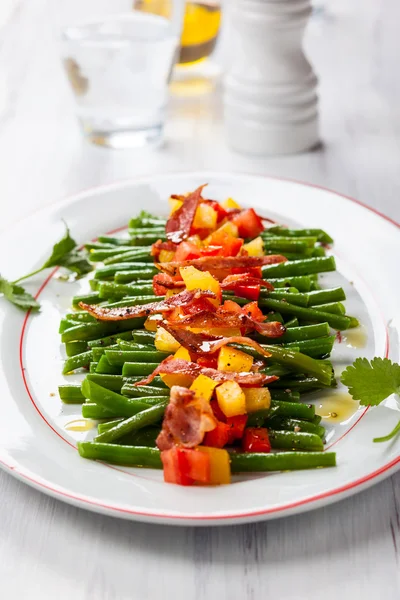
(200, 27)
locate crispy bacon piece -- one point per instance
(180, 222)
(130, 312)
(223, 264)
(201, 343)
(225, 319)
(231, 282)
(172, 365)
(186, 420)
(163, 282)
(160, 245)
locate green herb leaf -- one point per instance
(60, 249)
(75, 261)
(372, 382)
(17, 295)
(390, 435)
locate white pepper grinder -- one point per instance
(270, 99)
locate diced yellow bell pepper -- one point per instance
(182, 354)
(230, 359)
(178, 378)
(220, 331)
(229, 228)
(165, 342)
(195, 239)
(219, 465)
(231, 399)
(201, 280)
(166, 256)
(203, 387)
(230, 203)
(174, 204)
(151, 322)
(205, 217)
(255, 247)
(257, 399)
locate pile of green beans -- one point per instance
(116, 355)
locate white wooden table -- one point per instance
(351, 549)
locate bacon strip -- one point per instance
(130, 312)
(180, 222)
(160, 245)
(201, 343)
(225, 319)
(221, 263)
(163, 282)
(231, 282)
(177, 366)
(186, 420)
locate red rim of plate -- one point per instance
(77, 499)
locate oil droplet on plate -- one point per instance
(337, 408)
(80, 425)
(355, 338)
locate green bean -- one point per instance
(335, 308)
(277, 370)
(300, 267)
(291, 440)
(310, 241)
(134, 275)
(91, 331)
(315, 348)
(292, 323)
(297, 333)
(80, 316)
(73, 348)
(300, 384)
(79, 361)
(144, 256)
(142, 437)
(258, 418)
(302, 283)
(318, 251)
(114, 241)
(144, 239)
(125, 345)
(281, 461)
(102, 427)
(134, 301)
(100, 254)
(157, 381)
(133, 391)
(92, 298)
(66, 324)
(111, 382)
(316, 420)
(282, 245)
(142, 419)
(309, 314)
(140, 230)
(109, 340)
(129, 456)
(93, 366)
(143, 337)
(285, 396)
(120, 357)
(147, 220)
(326, 295)
(104, 367)
(296, 425)
(137, 368)
(98, 352)
(91, 410)
(112, 401)
(298, 299)
(71, 394)
(97, 246)
(320, 234)
(150, 400)
(294, 410)
(109, 289)
(111, 270)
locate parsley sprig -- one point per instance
(64, 254)
(373, 381)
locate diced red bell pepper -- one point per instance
(211, 251)
(250, 271)
(186, 251)
(255, 439)
(197, 306)
(220, 210)
(185, 466)
(218, 437)
(249, 223)
(230, 245)
(251, 292)
(210, 362)
(218, 414)
(252, 310)
(237, 425)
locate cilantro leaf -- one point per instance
(372, 382)
(60, 249)
(75, 261)
(17, 295)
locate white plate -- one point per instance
(36, 447)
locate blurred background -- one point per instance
(353, 47)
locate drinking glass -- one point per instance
(119, 69)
